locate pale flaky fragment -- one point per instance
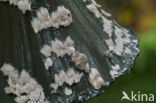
(118, 45)
(48, 63)
(95, 79)
(67, 91)
(92, 8)
(58, 47)
(23, 5)
(62, 48)
(14, 2)
(80, 61)
(95, 3)
(46, 50)
(114, 72)
(70, 77)
(26, 89)
(105, 13)
(60, 17)
(122, 39)
(9, 70)
(107, 26)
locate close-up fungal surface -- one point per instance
(60, 51)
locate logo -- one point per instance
(137, 97)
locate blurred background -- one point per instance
(139, 16)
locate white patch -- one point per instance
(70, 77)
(14, 2)
(94, 2)
(80, 61)
(67, 91)
(24, 5)
(120, 41)
(107, 26)
(61, 48)
(43, 14)
(135, 41)
(48, 63)
(23, 84)
(35, 24)
(105, 13)
(61, 17)
(95, 79)
(10, 71)
(116, 67)
(42, 20)
(110, 44)
(108, 54)
(115, 71)
(128, 51)
(21, 99)
(92, 8)
(46, 50)
(69, 45)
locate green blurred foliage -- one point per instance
(147, 58)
